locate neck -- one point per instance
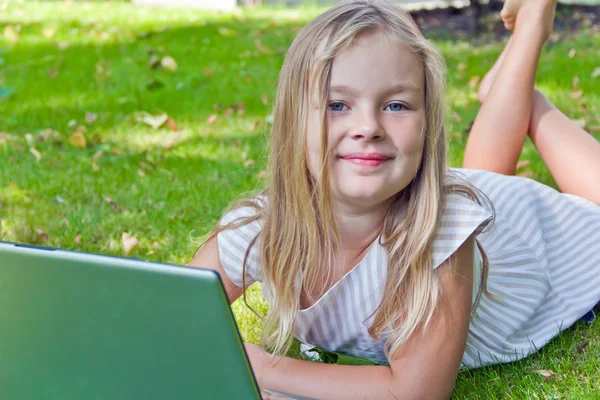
(358, 228)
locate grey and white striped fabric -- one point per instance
(544, 253)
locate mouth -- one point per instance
(367, 159)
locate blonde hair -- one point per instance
(299, 233)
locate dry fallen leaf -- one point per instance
(265, 99)
(77, 240)
(523, 164)
(527, 174)
(546, 373)
(227, 32)
(46, 134)
(155, 121)
(171, 124)
(36, 154)
(261, 47)
(129, 242)
(228, 112)
(212, 119)
(78, 140)
(90, 117)
(582, 346)
(42, 234)
(154, 61)
(576, 94)
(474, 81)
(208, 72)
(169, 63)
(48, 32)
(95, 159)
(113, 204)
(248, 163)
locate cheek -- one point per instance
(412, 140)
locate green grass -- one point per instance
(167, 188)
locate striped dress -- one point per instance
(544, 252)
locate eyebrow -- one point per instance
(398, 88)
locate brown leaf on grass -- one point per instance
(52, 73)
(594, 128)
(254, 125)
(90, 118)
(129, 242)
(265, 99)
(168, 63)
(211, 119)
(11, 34)
(42, 234)
(48, 32)
(153, 61)
(581, 346)
(171, 124)
(474, 81)
(228, 112)
(63, 45)
(248, 163)
(239, 107)
(575, 83)
(36, 154)
(523, 164)
(155, 121)
(546, 373)
(113, 204)
(527, 174)
(227, 32)
(261, 47)
(237, 143)
(95, 166)
(5, 138)
(78, 140)
(208, 72)
(46, 134)
(77, 240)
(576, 94)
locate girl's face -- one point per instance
(375, 118)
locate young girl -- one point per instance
(368, 245)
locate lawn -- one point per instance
(122, 121)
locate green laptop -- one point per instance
(83, 326)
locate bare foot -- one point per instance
(509, 13)
(532, 14)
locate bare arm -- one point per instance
(208, 258)
(424, 368)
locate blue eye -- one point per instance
(395, 107)
(336, 106)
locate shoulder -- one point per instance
(462, 217)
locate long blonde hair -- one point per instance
(299, 236)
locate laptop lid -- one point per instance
(82, 326)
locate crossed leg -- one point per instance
(512, 108)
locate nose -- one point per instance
(366, 126)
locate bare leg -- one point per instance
(571, 154)
(490, 77)
(501, 126)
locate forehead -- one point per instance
(375, 61)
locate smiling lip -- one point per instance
(367, 159)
